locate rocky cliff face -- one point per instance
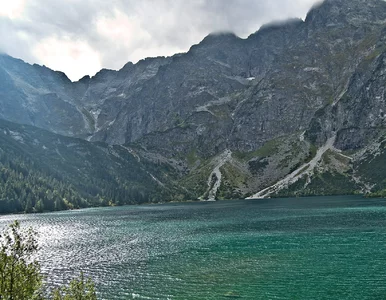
(253, 110)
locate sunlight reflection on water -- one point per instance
(283, 248)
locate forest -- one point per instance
(41, 171)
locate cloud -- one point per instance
(81, 36)
(66, 53)
(12, 9)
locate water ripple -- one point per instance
(313, 248)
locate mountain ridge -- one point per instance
(232, 117)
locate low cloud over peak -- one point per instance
(79, 37)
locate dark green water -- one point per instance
(308, 248)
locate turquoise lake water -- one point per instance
(305, 248)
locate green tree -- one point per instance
(20, 276)
(28, 206)
(39, 206)
(78, 289)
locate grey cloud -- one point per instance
(161, 26)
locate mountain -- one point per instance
(41, 171)
(297, 108)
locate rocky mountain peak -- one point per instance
(218, 38)
(290, 23)
(339, 13)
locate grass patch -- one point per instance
(311, 153)
(192, 158)
(268, 149)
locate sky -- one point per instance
(80, 37)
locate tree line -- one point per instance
(28, 186)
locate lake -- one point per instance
(304, 248)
